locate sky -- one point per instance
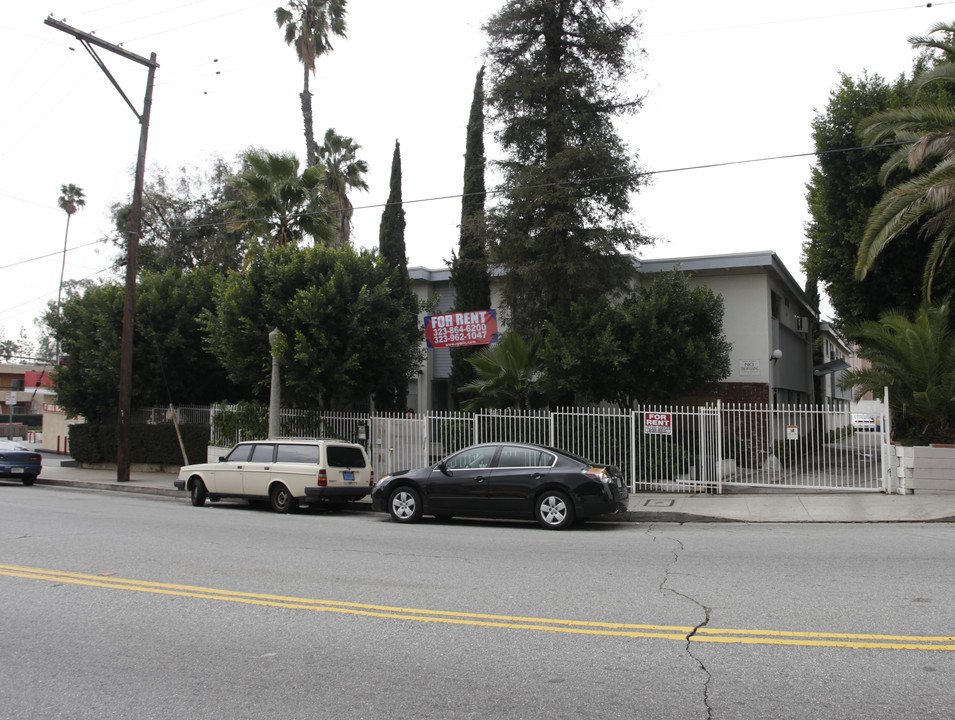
(730, 91)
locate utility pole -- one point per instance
(135, 232)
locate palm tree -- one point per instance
(70, 201)
(915, 359)
(309, 25)
(926, 133)
(277, 204)
(343, 172)
(506, 374)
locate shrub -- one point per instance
(150, 444)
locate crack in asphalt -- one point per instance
(689, 636)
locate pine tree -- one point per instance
(563, 224)
(469, 268)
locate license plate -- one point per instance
(16, 470)
(349, 477)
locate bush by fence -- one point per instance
(28, 421)
(148, 444)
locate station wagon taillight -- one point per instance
(371, 481)
(323, 478)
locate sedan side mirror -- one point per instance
(442, 466)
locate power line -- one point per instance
(49, 255)
(502, 190)
(7, 311)
(609, 178)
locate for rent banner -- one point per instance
(460, 329)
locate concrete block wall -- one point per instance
(929, 469)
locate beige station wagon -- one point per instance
(286, 472)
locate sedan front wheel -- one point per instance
(404, 505)
(554, 510)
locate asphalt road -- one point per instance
(133, 606)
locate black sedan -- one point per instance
(513, 480)
(20, 462)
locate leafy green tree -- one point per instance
(507, 372)
(309, 26)
(8, 348)
(556, 71)
(843, 188)
(343, 172)
(278, 205)
(185, 221)
(925, 202)
(469, 266)
(915, 359)
(847, 184)
(660, 343)
(343, 338)
(170, 362)
(24, 351)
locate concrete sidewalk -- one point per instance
(762, 507)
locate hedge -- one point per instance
(30, 421)
(149, 444)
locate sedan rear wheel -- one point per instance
(554, 510)
(404, 505)
(29, 479)
(281, 499)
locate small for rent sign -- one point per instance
(657, 423)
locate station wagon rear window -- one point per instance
(298, 454)
(344, 456)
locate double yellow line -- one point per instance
(574, 627)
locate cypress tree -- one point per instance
(391, 235)
(469, 267)
(392, 394)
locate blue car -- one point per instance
(19, 461)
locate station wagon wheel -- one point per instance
(281, 499)
(198, 493)
(554, 510)
(404, 505)
(29, 479)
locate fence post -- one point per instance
(719, 447)
(888, 482)
(633, 450)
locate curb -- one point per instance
(114, 487)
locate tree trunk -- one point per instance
(311, 150)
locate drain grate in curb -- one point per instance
(658, 503)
